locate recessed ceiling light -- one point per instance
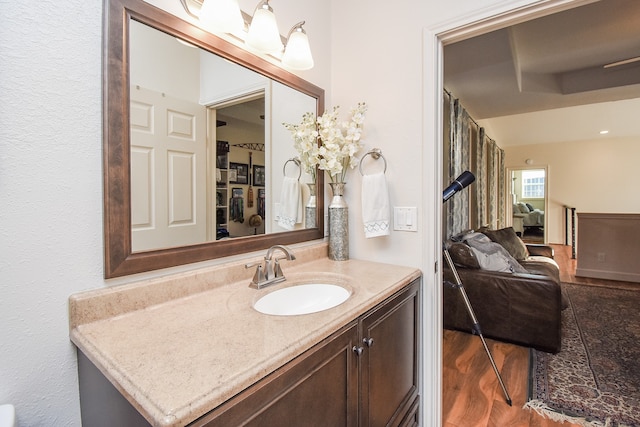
(604, 132)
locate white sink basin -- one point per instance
(302, 299)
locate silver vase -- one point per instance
(310, 208)
(338, 224)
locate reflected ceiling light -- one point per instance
(222, 15)
(604, 132)
(297, 54)
(263, 32)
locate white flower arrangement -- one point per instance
(339, 142)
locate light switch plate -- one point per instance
(405, 218)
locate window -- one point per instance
(533, 184)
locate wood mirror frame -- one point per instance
(119, 258)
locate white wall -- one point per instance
(51, 159)
(159, 63)
(591, 176)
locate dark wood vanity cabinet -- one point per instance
(389, 362)
(318, 388)
(365, 374)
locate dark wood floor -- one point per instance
(471, 394)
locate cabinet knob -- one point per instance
(368, 341)
(358, 350)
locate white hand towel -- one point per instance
(290, 204)
(375, 205)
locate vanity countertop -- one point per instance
(178, 347)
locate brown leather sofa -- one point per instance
(520, 308)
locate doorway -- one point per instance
(470, 26)
(528, 202)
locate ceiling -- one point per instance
(251, 111)
(552, 65)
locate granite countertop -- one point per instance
(176, 355)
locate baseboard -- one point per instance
(608, 275)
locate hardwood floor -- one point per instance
(472, 395)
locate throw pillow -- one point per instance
(491, 255)
(523, 207)
(462, 256)
(509, 240)
(530, 206)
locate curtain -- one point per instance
(502, 191)
(492, 182)
(458, 215)
(469, 148)
(447, 108)
(481, 178)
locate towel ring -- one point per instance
(297, 162)
(376, 153)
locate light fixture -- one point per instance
(222, 15)
(297, 54)
(263, 32)
(262, 35)
(604, 132)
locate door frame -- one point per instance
(469, 25)
(508, 209)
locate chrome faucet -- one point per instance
(271, 272)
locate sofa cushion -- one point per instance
(491, 255)
(509, 240)
(462, 256)
(545, 266)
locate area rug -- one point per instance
(595, 379)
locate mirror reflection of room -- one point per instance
(186, 103)
(240, 169)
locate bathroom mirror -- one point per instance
(251, 167)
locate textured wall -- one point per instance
(50, 187)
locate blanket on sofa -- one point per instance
(491, 255)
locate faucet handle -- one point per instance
(252, 264)
(259, 277)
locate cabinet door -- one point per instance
(319, 388)
(389, 368)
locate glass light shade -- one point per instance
(263, 32)
(222, 15)
(297, 54)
